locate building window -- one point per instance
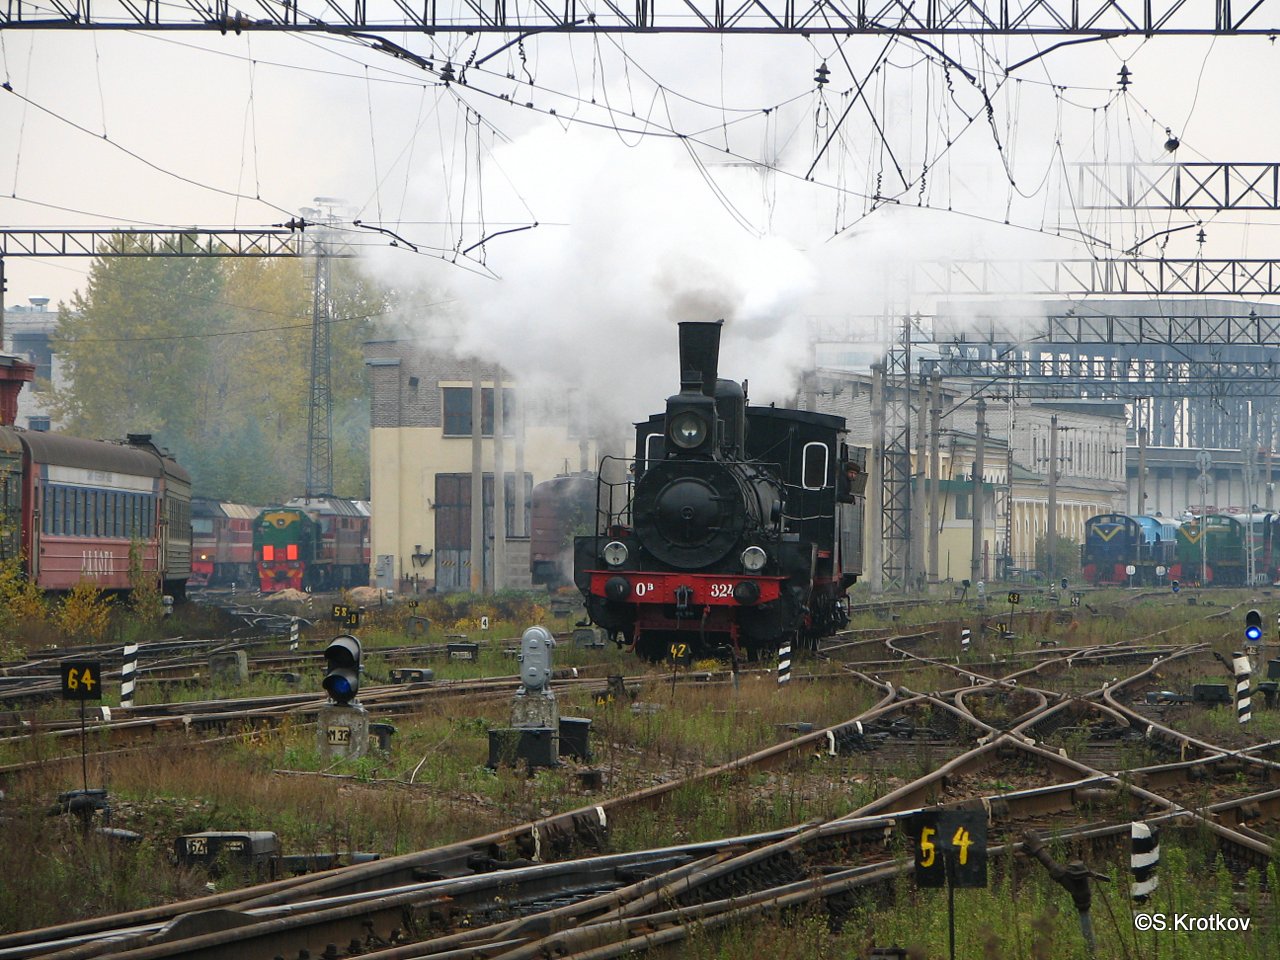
(457, 412)
(38, 424)
(962, 506)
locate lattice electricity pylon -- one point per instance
(320, 405)
(1087, 18)
(895, 471)
(1177, 186)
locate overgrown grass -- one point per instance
(434, 788)
(1023, 915)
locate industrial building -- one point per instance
(421, 465)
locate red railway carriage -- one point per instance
(84, 502)
(221, 542)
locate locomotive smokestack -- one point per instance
(700, 352)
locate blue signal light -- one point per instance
(339, 686)
(1253, 626)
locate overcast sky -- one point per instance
(636, 228)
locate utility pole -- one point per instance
(1250, 463)
(520, 529)
(499, 486)
(918, 520)
(477, 479)
(1008, 503)
(1141, 509)
(979, 454)
(935, 474)
(1051, 531)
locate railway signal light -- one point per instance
(1175, 585)
(342, 679)
(1253, 626)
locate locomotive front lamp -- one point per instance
(688, 430)
(754, 559)
(615, 553)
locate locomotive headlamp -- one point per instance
(688, 430)
(615, 553)
(754, 559)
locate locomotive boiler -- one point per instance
(733, 528)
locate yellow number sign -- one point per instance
(81, 680)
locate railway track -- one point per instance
(1063, 763)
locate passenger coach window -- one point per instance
(814, 476)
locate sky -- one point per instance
(669, 177)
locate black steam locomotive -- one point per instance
(738, 527)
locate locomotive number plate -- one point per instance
(197, 846)
(339, 735)
(721, 591)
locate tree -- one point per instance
(1066, 556)
(136, 350)
(212, 356)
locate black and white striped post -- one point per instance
(965, 636)
(293, 633)
(784, 662)
(128, 674)
(1243, 672)
(1144, 860)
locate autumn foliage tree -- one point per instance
(212, 356)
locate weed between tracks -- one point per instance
(434, 789)
(1021, 916)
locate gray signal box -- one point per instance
(252, 852)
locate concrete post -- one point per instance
(477, 480)
(979, 455)
(935, 475)
(1141, 509)
(499, 486)
(918, 521)
(1051, 521)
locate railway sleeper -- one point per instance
(773, 871)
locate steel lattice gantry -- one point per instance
(194, 242)
(1177, 186)
(1187, 371)
(1100, 277)
(1086, 18)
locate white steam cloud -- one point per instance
(633, 242)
